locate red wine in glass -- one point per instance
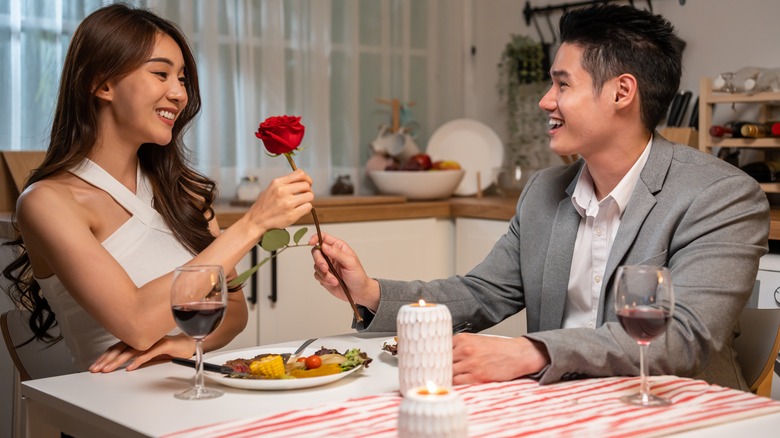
(643, 323)
(198, 303)
(644, 303)
(198, 319)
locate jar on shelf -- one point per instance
(248, 189)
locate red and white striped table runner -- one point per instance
(521, 408)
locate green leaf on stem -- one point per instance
(275, 239)
(299, 234)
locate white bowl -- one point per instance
(417, 185)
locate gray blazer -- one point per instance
(703, 218)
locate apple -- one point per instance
(417, 162)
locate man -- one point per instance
(633, 198)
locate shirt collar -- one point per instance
(584, 193)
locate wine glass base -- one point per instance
(648, 400)
(199, 393)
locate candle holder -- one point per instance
(431, 411)
(424, 345)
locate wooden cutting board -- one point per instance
(342, 201)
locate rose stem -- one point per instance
(327, 260)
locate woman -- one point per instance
(114, 207)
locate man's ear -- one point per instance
(625, 92)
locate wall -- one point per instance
(721, 35)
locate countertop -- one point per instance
(365, 208)
(374, 208)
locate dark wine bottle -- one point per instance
(730, 129)
(720, 131)
(760, 130)
(753, 130)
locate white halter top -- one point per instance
(144, 246)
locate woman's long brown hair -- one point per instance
(111, 43)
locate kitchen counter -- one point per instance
(365, 208)
(372, 208)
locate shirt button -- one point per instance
(598, 232)
(597, 279)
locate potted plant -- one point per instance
(521, 84)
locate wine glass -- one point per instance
(198, 302)
(644, 302)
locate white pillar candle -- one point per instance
(431, 411)
(424, 345)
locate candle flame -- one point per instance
(432, 388)
(421, 303)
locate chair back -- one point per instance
(36, 359)
(757, 347)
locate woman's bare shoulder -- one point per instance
(52, 196)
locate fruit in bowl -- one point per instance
(445, 165)
(417, 185)
(417, 162)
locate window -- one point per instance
(326, 60)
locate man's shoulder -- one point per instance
(700, 164)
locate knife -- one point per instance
(694, 122)
(674, 108)
(223, 369)
(684, 101)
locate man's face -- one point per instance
(579, 119)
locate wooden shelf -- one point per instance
(708, 99)
(759, 143)
(770, 187)
(718, 97)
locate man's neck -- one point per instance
(608, 167)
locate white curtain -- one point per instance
(325, 60)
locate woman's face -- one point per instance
(144, 105)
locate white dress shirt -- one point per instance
(598, 227)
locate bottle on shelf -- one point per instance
(760, 130)
(745, 129)
(721, 131)
(730, 129)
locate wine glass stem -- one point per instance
(644, 385)
(199, 364)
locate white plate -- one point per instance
(475, 146)
(269, 385)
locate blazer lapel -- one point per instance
(642, 202)
(557, 265)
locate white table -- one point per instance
(141, 403)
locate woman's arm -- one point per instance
(58, 234)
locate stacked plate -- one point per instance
(474, 145)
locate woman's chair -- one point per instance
(757, 347)
(34, 360)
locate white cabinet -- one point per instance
(413, 249)
(474, 238)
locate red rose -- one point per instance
(281, 134)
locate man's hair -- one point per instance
(619, 39)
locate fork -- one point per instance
(293, 357)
